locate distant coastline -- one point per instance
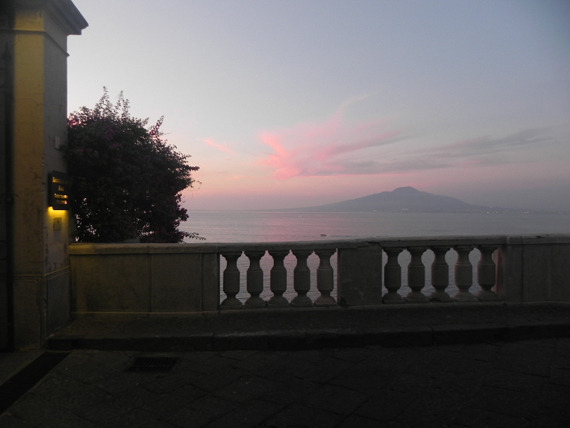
(409, 199)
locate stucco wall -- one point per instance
(41, 288)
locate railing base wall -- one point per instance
(534, 269)
(186, 278)
(144, 278)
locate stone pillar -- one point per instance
(302, 280)
(440, 276)
(35, 32)
(393, 277)
(231, 281)
(464, 275)
(254, 280)
(416, 276)
(325, 278)
(486, 274)
(360, 275)
(278, 279)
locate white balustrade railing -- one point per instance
(257, 282)
(278, 275)
(187, 277)
(302, 280)
(463, 274)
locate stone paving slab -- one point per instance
(409, 325)
(492, 384)
(12, 362)
(435, 365)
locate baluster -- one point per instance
(416, 276)
(440, 276)
(464, 274)
(231, 281)
(393, 277)
(254, 280)
(325, 278)
(302, 279)
(278, 279)
(486, 274)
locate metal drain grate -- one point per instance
(152, 364)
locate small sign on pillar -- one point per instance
(58, 191)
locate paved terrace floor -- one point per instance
(459, 366)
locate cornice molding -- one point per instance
(64, 12)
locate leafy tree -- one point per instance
(126, 180)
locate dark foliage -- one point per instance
(126, 180)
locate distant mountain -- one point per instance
(406, 199)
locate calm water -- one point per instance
(244, 226)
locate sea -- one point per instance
(275, 226)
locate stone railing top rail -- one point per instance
(91, 248)
(216, 247)
(527, 239)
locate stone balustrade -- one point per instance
(254, 283)
(463, 270)
(168, 278)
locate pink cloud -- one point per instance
(219, 146)
(338, 147)
(324, 148)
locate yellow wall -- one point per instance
(28, 151)
(41, 291)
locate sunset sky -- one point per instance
(296, 103)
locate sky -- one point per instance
(299, 103)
